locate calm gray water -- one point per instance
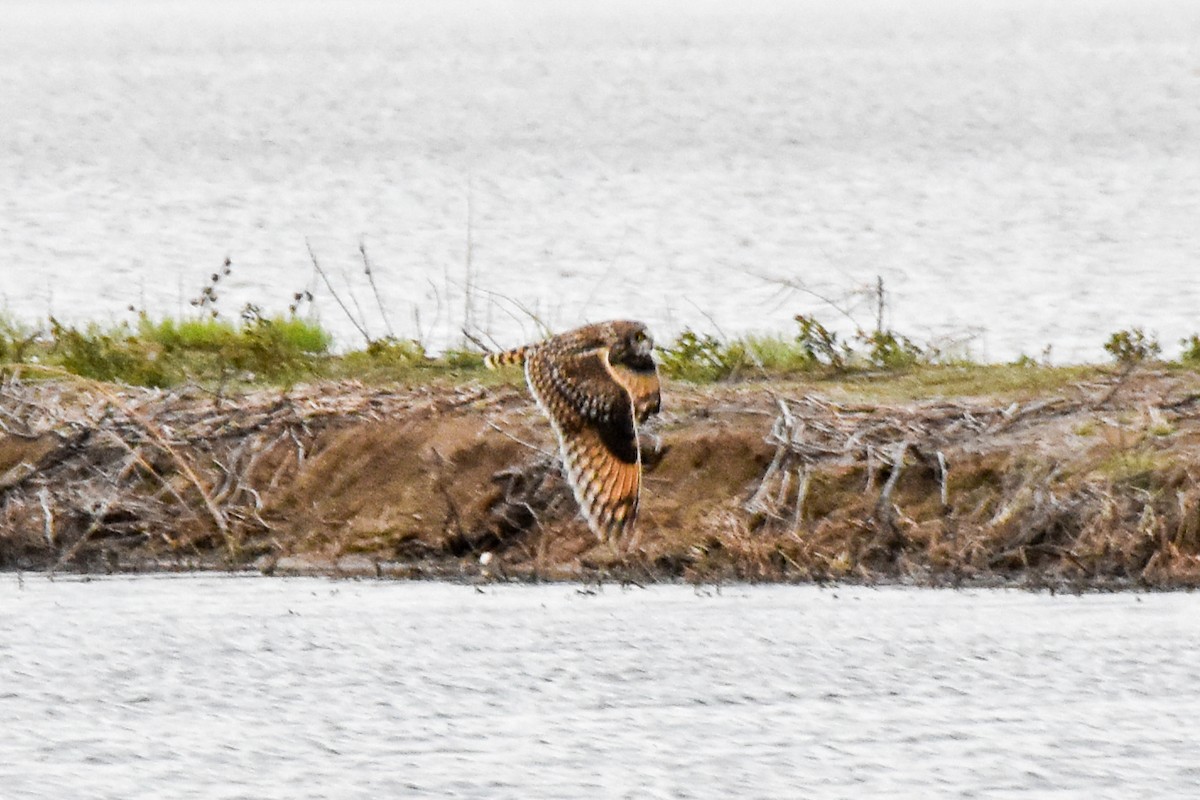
(214, 687)
(1023, 171)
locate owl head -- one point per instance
(631, 345)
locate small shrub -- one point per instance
(889, 350)
(885, 349)
(275, 347)
(397, 352)
(1191, 350)
(115, 355)
(16, 340)
(8, 341)
(699, 359)
(820, 345)
(384, 359)
(1132, 346)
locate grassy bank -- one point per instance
(255, 351)
(251, 443)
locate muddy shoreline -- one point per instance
(1091, 486)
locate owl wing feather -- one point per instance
(592, 412)
(642, 386)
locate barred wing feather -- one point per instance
(593, 416)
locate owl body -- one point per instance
(596, 384)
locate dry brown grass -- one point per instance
(1089, 485)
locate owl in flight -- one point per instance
(596, 384)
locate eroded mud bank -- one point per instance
(1094, 485)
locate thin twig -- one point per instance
(362, 248)
(316, 265)
(521, 442)
(943, 478)
(47, 516)
(475, 340)
(537, 320)
(883, 505)
(801, 496)
(470, 250)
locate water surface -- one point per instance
(1023, 172)
(214, 687)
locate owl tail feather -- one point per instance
(506, 357)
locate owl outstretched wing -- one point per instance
(592, 412)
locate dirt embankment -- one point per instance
(1092, 486)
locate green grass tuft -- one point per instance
(114, 355)
(163, 353)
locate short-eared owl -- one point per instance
(596, 384)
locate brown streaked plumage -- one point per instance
(596, 384)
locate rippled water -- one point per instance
(1028, 171)
(248, 687)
